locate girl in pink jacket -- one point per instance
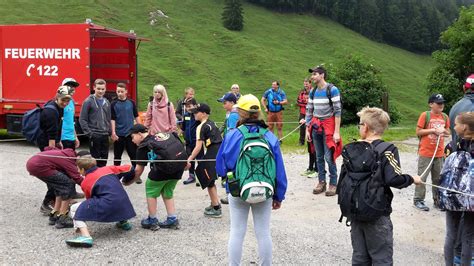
(160, 113)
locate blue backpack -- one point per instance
(30, 124)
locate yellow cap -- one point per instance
(248, 103)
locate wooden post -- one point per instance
(385, 101)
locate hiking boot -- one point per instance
(420, 205)
(78, 195)
(225, 200)
(64, 221)
(150, 223)
(313, 174)
(53, 217)
(331, 191)
(124, 225)
(169, 223)
(191, 179)
(46, 209)
(80, 241)
(213, 212)
(320, 188)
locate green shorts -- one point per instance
(156, 188)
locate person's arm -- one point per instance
(138, 172)
(148, 115)
(84, 117)
(50, 120)
(195, 153)
(114, 134)
(285, 100)
(337, 126)
(281, 179)
(72, 172)
(135, 112)
(392, 171)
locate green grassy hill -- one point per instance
(192, 48)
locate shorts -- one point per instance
(61, 184)
(206, 170)
(275, 117)
(156, 188)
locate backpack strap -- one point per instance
(427, 119)
(328, 93)
(382, 147)
(247, 134)
(169, 111)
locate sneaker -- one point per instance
(150, 223)
(78, 195)
(420, 205)
(46, 209)
(320, 188)
(124, 225)
(191, 179)
(331, 191)
(225, 200)
(53, 217)
(313, 174)
(208, 208)
(64, 221)
(170, 223)
(213, 213)
(306, 173)
(139, 181)
(80, 241)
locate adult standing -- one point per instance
(95, 122)
(466, 104)
(273, 100)
(302, 101)
(235, 89)
(160, 112)
(68, 133)
(323, 121)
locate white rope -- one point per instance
(291, 132)
(448, 189)
(432, 158)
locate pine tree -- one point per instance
(232, 17)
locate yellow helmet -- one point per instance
(248, 103)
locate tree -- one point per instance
(456, 62)
(232, 17)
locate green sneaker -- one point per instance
(313, 174)
(124, 225)
(306, 173)
(213, 213)
(80, 241)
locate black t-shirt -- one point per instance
(209, 133)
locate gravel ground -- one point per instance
(305, 230)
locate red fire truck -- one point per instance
(36, 58)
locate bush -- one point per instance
(232, 17)
(360, 86)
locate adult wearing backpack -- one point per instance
(466, 104)
(95, 122)
(323, 121)
(273, 100)
(50, 133)
(232, 161)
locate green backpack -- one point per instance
(256, 167)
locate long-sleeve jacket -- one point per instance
(95, 117)
(228, 154)
(160, 117)
(50, 123)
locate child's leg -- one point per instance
(79, 225)
(119, 145)
(167, 194)
(169, 205)
(213, 195)
(360, 255)
(64, 206)
(467, 236)
(239, 211)
(57, 204)
(453, 220)
(152, 205)
(379, 241)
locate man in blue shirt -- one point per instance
(68, 132)
(273, 100)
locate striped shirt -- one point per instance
(318, 105)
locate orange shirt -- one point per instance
(428, 142)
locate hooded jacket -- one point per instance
(95, 119)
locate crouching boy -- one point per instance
(106, 199)
(57, 168)
(370, 167)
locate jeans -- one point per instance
(121, 144)
(323, 153)
(239, 212)
(99, 148)
(459, 224)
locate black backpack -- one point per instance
(166, 146)
(362, 194)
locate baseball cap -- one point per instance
(70, 82)
(249, 103)
(63, 92)
(319, 69)
(469, 81)
(436, 98)
(203, 108)
(137, 128)
(190, 101)
(229, 97)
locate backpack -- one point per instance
(256, 168)
(457, 174)
(166, 146)
(31, 123)
(328, 94)
(362, 195)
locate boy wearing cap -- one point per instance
(208, 139)
(68, 133)
(95, 122)
(431, 125)
(232, 116)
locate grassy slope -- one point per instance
(191, 48)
